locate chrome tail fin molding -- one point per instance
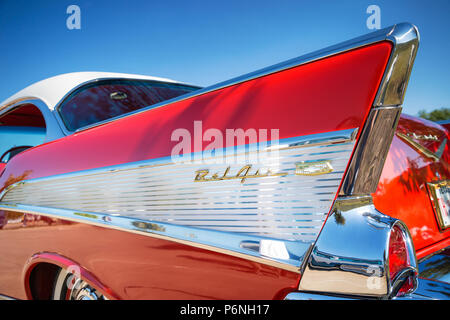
(367, 163)
(350, 255)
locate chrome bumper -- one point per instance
(426, 290)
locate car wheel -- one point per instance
(70, 287)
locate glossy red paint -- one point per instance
(446, 125)
(432, 249)
(331, 94)
(131, 266)
(402, 192)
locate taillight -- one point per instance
(407, 286)
(381, 263)
(401, 267)
(398, 254)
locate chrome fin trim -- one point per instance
(353, 260)
(364, 171)
(376, 136)
(274, 217)
(280, 205)
(405, 38)
(391, 91)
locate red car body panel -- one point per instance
(129, 266)
(402, 192)
(317, 97)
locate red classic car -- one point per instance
(302, 180)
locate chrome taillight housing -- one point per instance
(402, 261)
(361, 252)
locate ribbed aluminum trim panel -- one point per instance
(288, 207)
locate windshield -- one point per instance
(107, 99)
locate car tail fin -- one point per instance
(262, 157)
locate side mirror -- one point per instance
(2, 167)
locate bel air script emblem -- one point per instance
(243, 174)
(304, 168)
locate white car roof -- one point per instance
(52, 90)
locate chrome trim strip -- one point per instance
(337, 263)
(264, 224)
(405, 38)
(313, 140)
(3, 297)
(365, 169)
(426, 290)
(316, 296)
(393, 34)
(423, 150)
(443, 122)
(279, 206)
(218, 241)
(376, 137)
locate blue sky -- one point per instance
(204, 42)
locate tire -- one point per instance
(69, 287)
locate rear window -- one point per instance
(107, 99)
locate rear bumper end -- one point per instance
(426, 290)
(430, 285)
